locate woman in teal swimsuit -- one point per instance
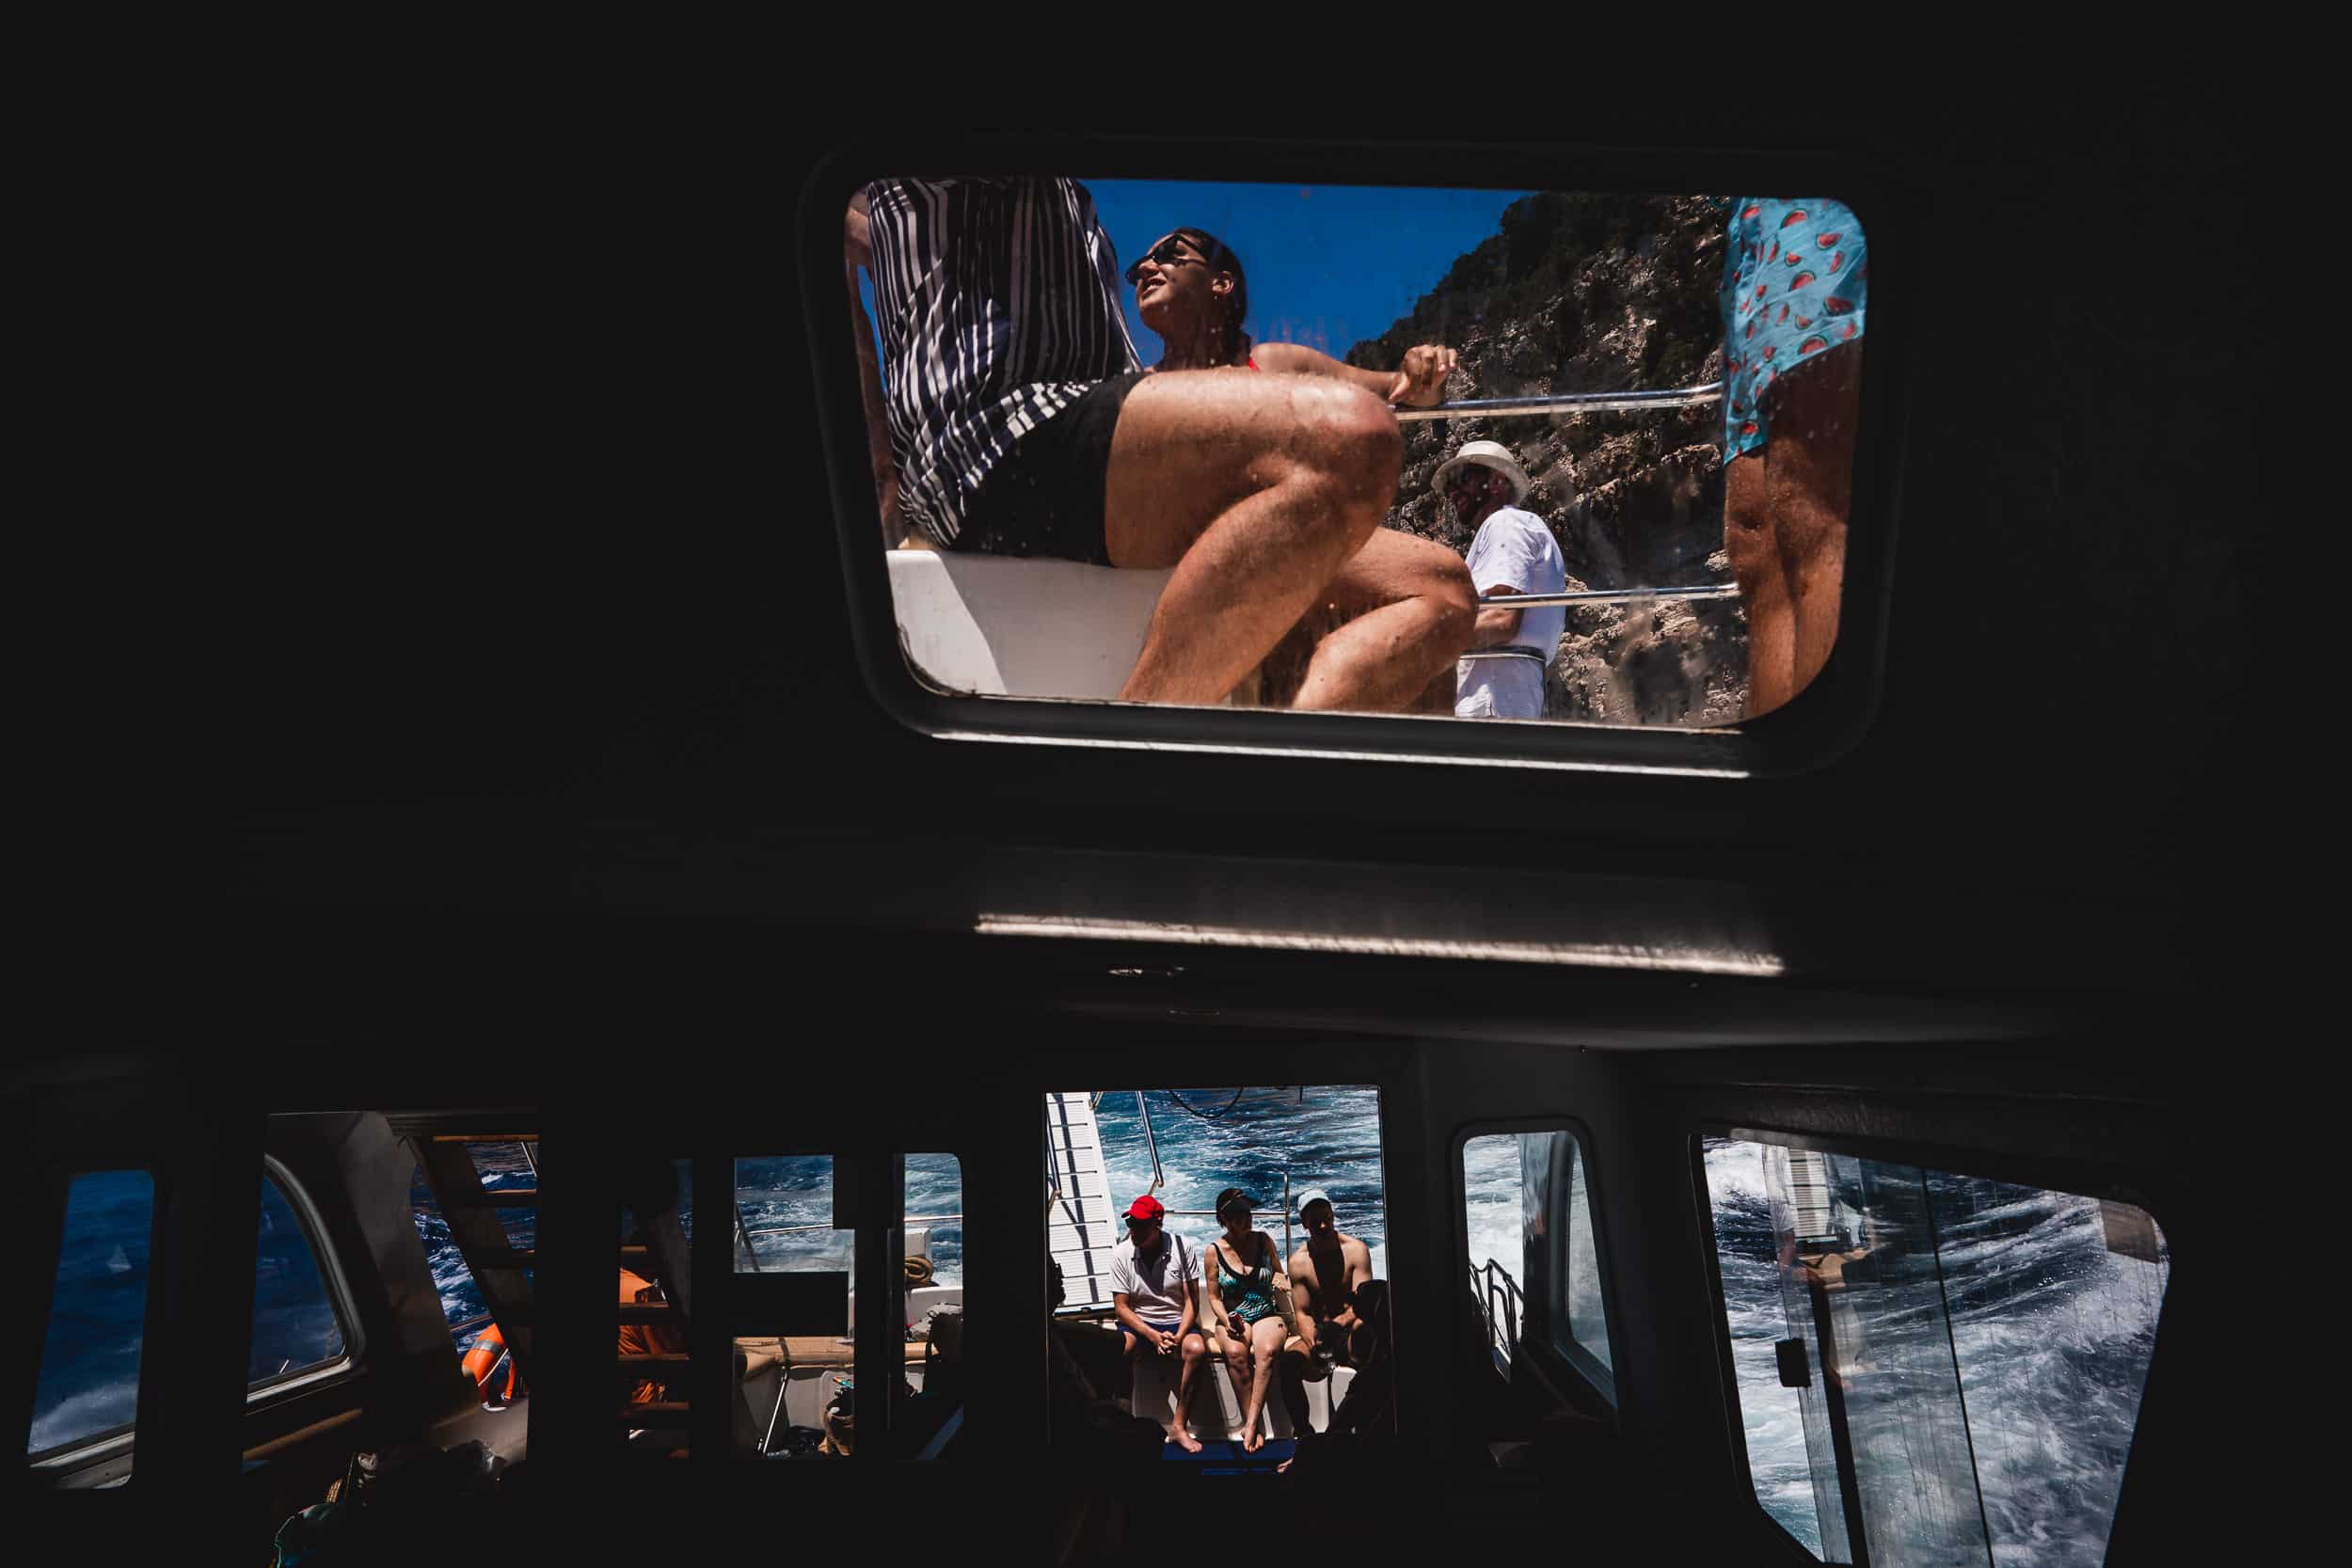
(1241, 1289)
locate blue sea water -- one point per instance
(89, 1364)
(1328, 1137)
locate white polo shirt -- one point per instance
(1154, 1283)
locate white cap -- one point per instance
(1313, 1194)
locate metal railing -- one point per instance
(1150, 1142)
(1579, 403)
(1492, 1286)
(1564, 403)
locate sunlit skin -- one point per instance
(1323, 1275)
(1250, 1348)
(1385, 633)
(1784, 525)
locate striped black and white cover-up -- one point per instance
(998, 303)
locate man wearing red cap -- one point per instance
(1151, 1294)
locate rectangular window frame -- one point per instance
(1558, 1347)
(1822, 723)
(2075, 1177)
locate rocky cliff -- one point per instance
(1597, 292)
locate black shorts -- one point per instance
(1045, 496)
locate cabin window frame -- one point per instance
(1821, 725)
(270, 1390)
(2075, 1177)
(1579, 1360)
(114, 1444)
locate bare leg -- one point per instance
(1785, 526)
(1194, 1352)
(1256, 489)
(1753, 542)
(1238, 1364)
(1292, 1370)
(1265, 1342)
(1811, 478)
(1406, 608)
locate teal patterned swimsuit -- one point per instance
(1256, 1288)
(1796, 281)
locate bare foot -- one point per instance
(1285, 1466)
(1184, 1439)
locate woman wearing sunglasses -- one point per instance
(1397, 591)
(1190, 290)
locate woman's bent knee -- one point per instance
(1353, 437)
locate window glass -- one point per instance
(89, 1362)
(800, 1361)
(295, 1326)
(461, 1298)
(1946, 1365)
(1534, 1268)
(1640, 408)
(510, 1167)
(1133, 1181)
(929, 1424)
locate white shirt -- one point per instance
(1514, 550)
(1153, 1284)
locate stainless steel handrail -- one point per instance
(1150, 1142)
(1586, 596)
(1565, 402)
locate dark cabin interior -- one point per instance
(559, 798)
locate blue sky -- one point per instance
(1328, 265)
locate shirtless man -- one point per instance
(1323, 1275)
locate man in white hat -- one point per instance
(1513, 553)
(1323, 1275)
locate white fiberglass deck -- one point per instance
(1009, 628)
(1081, 1222)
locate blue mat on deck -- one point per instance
(1225, 1458)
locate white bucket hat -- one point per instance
(1492, 454)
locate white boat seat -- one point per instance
(1012, 627)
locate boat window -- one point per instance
(796, 1343)
(296, 1325)
(1931, 1367)
(1134, 1181)
(1625, 422)
(930, 1425)
(88, 1388)
(1534, 1268)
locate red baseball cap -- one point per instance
(1145, 1208)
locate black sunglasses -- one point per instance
(1165, 253)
